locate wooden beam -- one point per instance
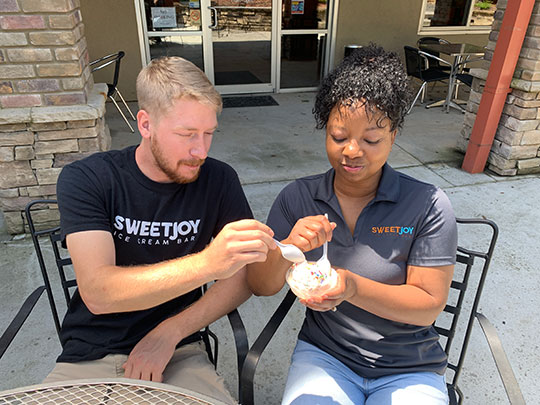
(511, 36)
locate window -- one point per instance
(446, 16)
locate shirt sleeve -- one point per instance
(234, 205)
(435, 244)
(81, 205)
(281, 217)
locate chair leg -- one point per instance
(122, 114)
(417, 95)
(125, 104)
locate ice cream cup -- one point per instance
(310, 280)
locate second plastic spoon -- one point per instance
(291, 252)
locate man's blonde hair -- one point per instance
(171, 78)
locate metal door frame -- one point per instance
(275, 62)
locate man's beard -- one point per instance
(170, 170)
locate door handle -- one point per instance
(213, 11)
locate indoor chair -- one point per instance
(44, 239)
(112, 90)
(454, 324)
(418, 65)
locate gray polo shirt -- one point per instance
(407, 223)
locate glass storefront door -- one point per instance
(241, 34)
(243, 46)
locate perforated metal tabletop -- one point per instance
(109, 392)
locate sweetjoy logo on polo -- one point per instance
(399, 230)
(158, 232)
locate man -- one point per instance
(146, 227)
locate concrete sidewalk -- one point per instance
(271, 146)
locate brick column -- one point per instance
(50, 111)
(516, 148)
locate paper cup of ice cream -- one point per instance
(311, 279)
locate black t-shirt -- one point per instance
(150, 222)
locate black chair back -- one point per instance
(455, 324)
(430, 41)
(413, 62)
(61, 258)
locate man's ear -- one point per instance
(143, 123)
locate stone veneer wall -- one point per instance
(516, 147)
(35, 143)
(50, 111)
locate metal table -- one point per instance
(461, 54)
(99, 391)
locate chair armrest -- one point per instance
(247, 375)
(430, 56)
(240, 339)
(19, 319)
(501, 360)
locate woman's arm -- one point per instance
(418, 302)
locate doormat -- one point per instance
(248, 101)
(236, 77)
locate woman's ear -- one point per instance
(393, 136)
(143, 123)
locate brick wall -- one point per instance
(516, 147)
(43, 55)
(50, 111)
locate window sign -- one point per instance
(163, 17)
(297, 7)
(194, 4)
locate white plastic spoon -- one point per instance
(291, 252)
(323, 261)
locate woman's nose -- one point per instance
(352, 149)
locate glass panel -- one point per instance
(242, 41)
(446, 13)
(483, 12)
(187, 47)
(169, 15)
(304, 14)
(302, 58)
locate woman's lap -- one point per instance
(317, 377)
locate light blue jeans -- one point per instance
(315, 377)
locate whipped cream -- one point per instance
(311, 279)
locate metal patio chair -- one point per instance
(45, 239)
(432, 40)
(112, 90)
(455, 324)
(418, 65)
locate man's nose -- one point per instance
(199, 148)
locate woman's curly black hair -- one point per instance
(372, 76)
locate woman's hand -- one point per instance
(311, 232)
(343, 291)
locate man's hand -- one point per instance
(151, 355)
(239, 243)
(311, 232)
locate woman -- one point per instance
(392, 241)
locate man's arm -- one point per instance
(107, 288)
(151, 355)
